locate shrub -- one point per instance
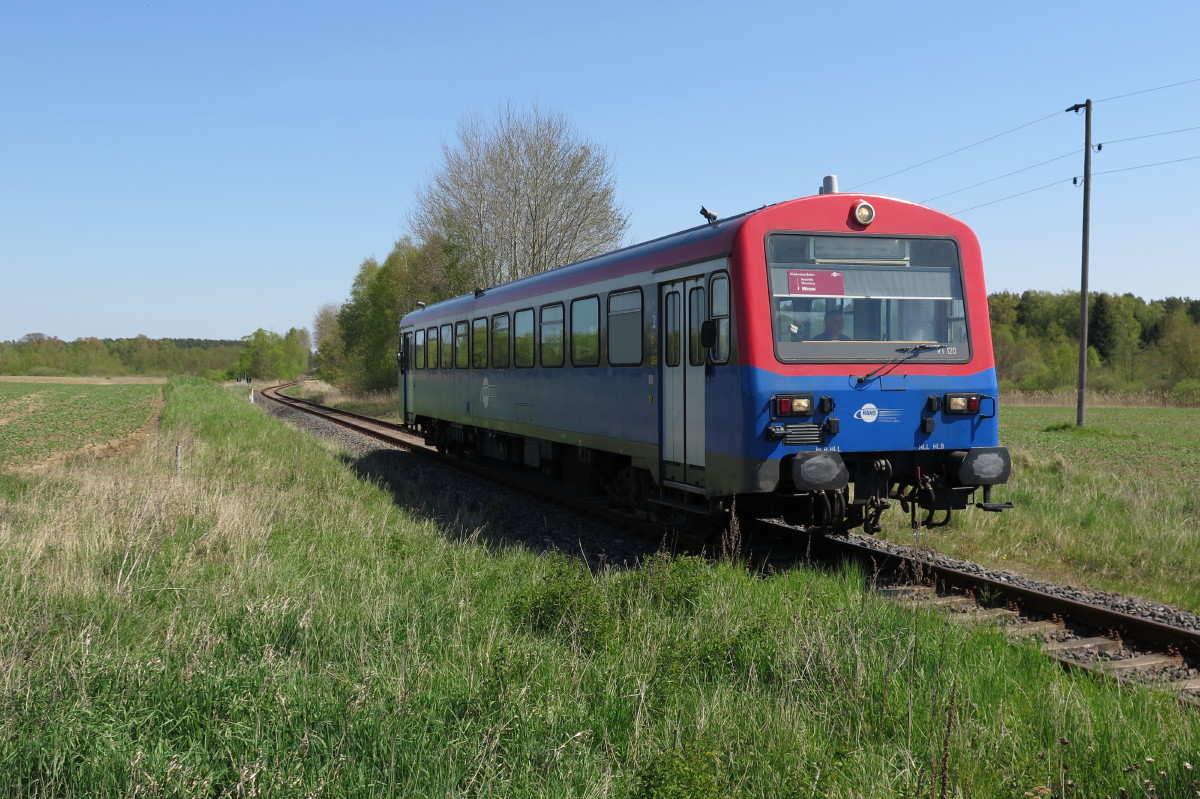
(1186, 392)
(692, 771)
(565, 599)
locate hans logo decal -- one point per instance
(487, 392)
(869, 413)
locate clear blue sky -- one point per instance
(203, 169)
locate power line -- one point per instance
(1076, 180)
(1001, 177)
(1146, 91)
(1147, 166)
(1022, 127)
(1011, 196)
(1150, 135)
(953, 152)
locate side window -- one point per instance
(500, 341)
(625, 328)
(433, 348)
(718, 294)
(585, 332)
(479, 343)
(419, 350)
(697, 309)
(671, 332)
(551, 335)
(462, 355)
(447, 339)
(523, 338)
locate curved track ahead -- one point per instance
(1158, 644)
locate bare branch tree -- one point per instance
(520, 195)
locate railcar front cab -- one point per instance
(878, 304)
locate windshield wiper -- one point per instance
(905, 354)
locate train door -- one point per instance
(405, 361)
(682, 311)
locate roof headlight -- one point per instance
(863, 213)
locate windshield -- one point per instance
(863, 298)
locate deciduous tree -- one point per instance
(518, 195)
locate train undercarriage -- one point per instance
(819, 492)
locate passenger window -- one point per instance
(719, 297)
(671, 329)
(419, 350)
(625, 328)
(585, 332)
(462, 355)
(500, 341)
(447, 358)
(432, 344)
(696, 316)
(523, 338)
(551, 335)
(479, 343)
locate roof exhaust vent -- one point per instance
(829, 185)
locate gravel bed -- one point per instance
(1132, 606)
(1142, 608)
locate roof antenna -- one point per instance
(709, 215)
(829, 185)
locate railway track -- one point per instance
(1113, 644)
(1110, 643)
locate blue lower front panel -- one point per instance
(884, 415)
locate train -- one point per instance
(819, 360)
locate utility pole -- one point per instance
(1081, 404)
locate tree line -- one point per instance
(516, 195)
(1134, 345)
(262, 355)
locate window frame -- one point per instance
(544, 346)
(594, 300)
(517, 318)
(505, 339)
(433, 341)
(446, 348)
(479, 355)
(641, 326)
(418, 360)
(697, 353)
(723, 350)
(462, 344)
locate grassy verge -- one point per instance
(1114, 505)
(261, 623)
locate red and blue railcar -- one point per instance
(820, 360)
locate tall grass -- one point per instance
(262, 623)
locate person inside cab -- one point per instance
(835, 323)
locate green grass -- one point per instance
(1114, 505)
(265, 624)
(40, 419)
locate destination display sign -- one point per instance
(816, 283)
